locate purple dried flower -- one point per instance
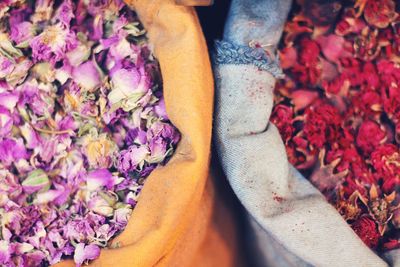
(98, 31)
(19, 73)
(158, 150)
(132, 158)
(11, 151)
(136, 136)
(35, 181)
(164, 130)
(83, 253)
(6, 67)
(65, 13)
(32, 139)
(78, 230)
(100, 178)
(119, 48)
(100, 205)
(160, 109)
(22, 32)
(43, 10)
(6, 122)
(78, 55)
(5, 252)
(121, 216)
(33, 258)
(129, 85)
(87, 75)
(52, 44)
(9, 100)
(80, 117)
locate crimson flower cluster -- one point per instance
(338, 109)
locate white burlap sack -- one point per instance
(291, 222)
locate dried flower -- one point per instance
(380, 13)
(338, 109)
(82, 124)
(366, 229)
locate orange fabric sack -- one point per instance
(176, 221)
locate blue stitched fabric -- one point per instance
(230, 53)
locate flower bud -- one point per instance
(37, 180)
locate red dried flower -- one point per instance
(386, 161)
(366, 44)
(351, 70)
(352, 160)
(366, 229)
(370, 76)
(342, 91)
(367, 103)
(350, 186)
(282, 117)
(380, 13)
(322, 124)
(349, 23)
(299, 153)
(324, 176)
(309, 52)
(391, 105)
(347, 203)
(337, 85)
(370, 136)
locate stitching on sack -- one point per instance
(230, 53)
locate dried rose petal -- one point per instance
(99, 178)
(288, 57)
(6, 122)
(331, 46)
(22, 32)
(87, 75)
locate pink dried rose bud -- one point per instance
(37, 180)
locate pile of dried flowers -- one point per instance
(338, 109)
(82, 123)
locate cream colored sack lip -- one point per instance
(173, 203)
